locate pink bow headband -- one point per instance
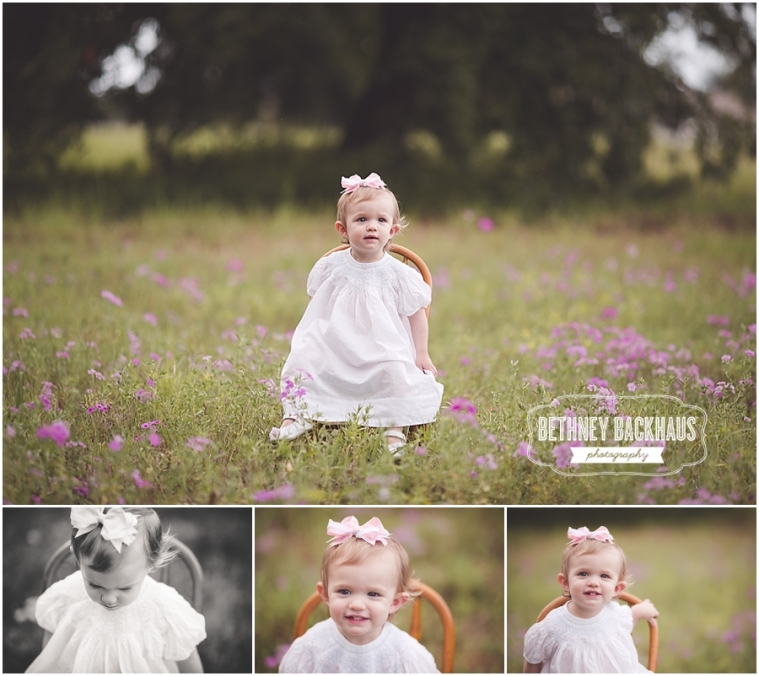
(119, 527)
(372, 531)
(579, 534)
(355, 181)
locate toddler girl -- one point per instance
(591, 632)
(365, 578)
(361, 346)
(110, 616)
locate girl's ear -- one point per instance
(563, 581)
(322, 592)
(400, 600)
(395, 229)
(341, 229)
(620, 587)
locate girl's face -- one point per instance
(122, 584)
(369, 226)
(592, 581)
(361, 597)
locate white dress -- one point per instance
(147, 636)
(324, 650)
(352, 351)
(572, 645)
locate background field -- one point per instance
(458, 552)
(220, 539)
(157, 339)
(698, 567)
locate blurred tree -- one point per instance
(567, 86)
(50, 54)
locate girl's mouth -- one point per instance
(356, 618)
(592, 593)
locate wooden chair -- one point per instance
(407, 257)
(183, 573)
(653, 644)
(428, 594)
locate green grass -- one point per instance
(698, 567)
(458, 552)
(221, 289)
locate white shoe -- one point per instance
(291, 431)
(395, 447)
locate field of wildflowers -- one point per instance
(141, 355)
(706, 603)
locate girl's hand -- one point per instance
(424, 362)
(645, 610)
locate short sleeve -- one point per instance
(185, 627)
(414, 293)
(319, 273)
(539, 645)
(419, 661)
(623, 614)
(56, 599)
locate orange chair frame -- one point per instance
(428, 593)
(407, 256)
(653, 646)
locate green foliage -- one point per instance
(553, 79)
(459, 553)
(703, 627)
(209, 296)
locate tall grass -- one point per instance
(179, 376)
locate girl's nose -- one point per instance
(109, 598)
(356, 603)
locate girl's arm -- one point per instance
(419, 334)
(530, 668)
(47, 660)
(645, 610)
(192, 665)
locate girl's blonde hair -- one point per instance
(363, 193)
(589, 546)
(102, 555)
(355, 551)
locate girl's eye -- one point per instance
(373, 594)
(343, 592)
(125, 589)
(94, 586)
(582, 574)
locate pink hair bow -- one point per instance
(580, 534)
(355, 181)
(119, 527)
(372, 531)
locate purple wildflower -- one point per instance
(139, 481)
(112, 298)
(198, 444)
(58, 431)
